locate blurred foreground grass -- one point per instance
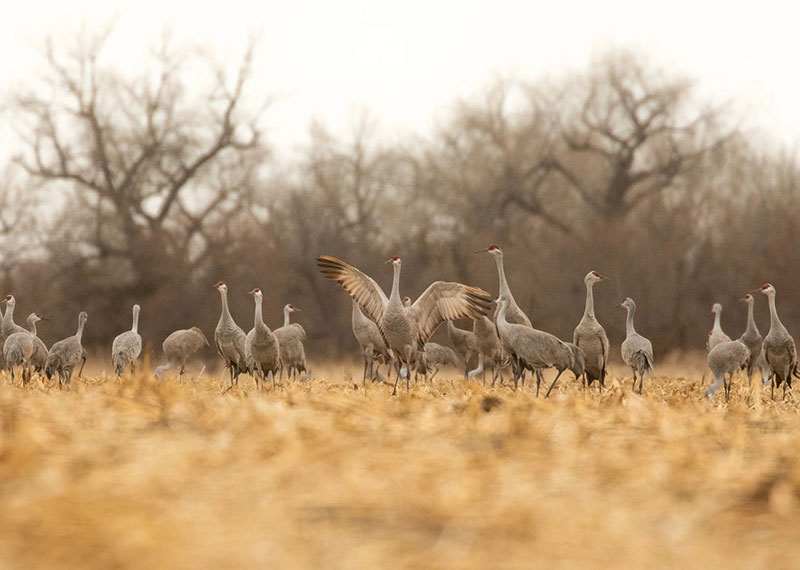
(147, 474)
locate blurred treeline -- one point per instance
(151, 187)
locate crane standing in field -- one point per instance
(637, 351)
(716, 335)
(179, 346)
(590, 336)
(127, 346)
(489, 348)
(261, 347)
(229, 338)
(19, 347)
(9, 327)
(405, 329)
(373, 346)
(291, 337)
(463, 342)
(65, 355)
(536, 350)
(753, 340)
(778, 346)
(434, 357)
(725, 359)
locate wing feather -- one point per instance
(446, 301)
(360, 286)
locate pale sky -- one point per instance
(406, 62)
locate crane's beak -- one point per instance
(43, 318)
(603, 278)
(296, 309)
(389, 260)
(482, 250)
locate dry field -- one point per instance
(320, 474)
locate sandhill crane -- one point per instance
(716, 335)
(179, 346)
(637, 351)
(19, 347)
(291, 337)
(463, 342)
(373, 346)
(8, 326)
(488, 347)
(261, 347)
(65, 354)
(536, 350)
(778, 346)
(591, 337)
(752, 339)
(726, 358)
(405, 329)
(514, 314)
(434, 357)
(229, 338)
(127, 346)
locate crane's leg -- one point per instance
(472, 373)
(408, 350)
(553, 384)
(641, 379)
(772, 386)
(538, 381)
(435, 372)
(634, 380)
(397, 365)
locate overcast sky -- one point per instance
(406, 61)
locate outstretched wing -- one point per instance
(360, 286)
(443, 301)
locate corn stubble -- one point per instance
(148, 474)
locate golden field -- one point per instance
(139, 473)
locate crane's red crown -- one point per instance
(291, 306)
(595, 273)
(395, 257)
(765, 286)
(219, 283)
(8, 297)
(256, 290)
(494, 246)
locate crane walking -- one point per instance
(65, 354)
(725, 359)
(489, 348)
(716, 335)
(19, 347)
(405, 329)
(778, 346)
(590, 336)
(637, 351)
(179, 346)
(127, 346)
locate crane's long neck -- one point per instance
(629, 329)
(226, 314)
(751, 322)
(774, 321)
(79, 334)
(258, 318)
(501, 314)
(135, 327)
(395, 296)
(286, 313)
(9, 316)
(33, 328)
(501, 274)
(717, 315)
(588, 312)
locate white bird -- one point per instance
(463, 342)
(65, 355)
(291, 337)
(752, 339)
(725, 359)
(127, 346)
(590, 336)
(405, 329)
(716, 335)
(637, 351)
(536, 350)
(179, 346)
(262, 348)
(19, 347)
(373, 346)
(779, 348)
(229, 338)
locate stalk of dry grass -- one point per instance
(145, 474)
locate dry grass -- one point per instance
(142, 474)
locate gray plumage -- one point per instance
(405, 329)
(725, 359)
(65, 355)
(19, 347)
(778, 346)
(179, 346)
(637, 351)
(291, 337)
(537, 350)
(463, 342)
(434, 357)
(8, 326)
(262, 349)
(514, 314)
(752, 338)
(127, 346)
(489, 349)
(590, 336)
(370, 340)
(716, 335)
(229, 338)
